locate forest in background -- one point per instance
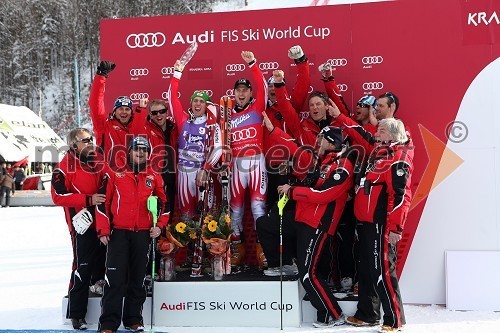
(40, 40)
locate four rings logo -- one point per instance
(167, 70)
(247, 133)
(235, 67)
(342, 87)
(164, 95)
(372, 60)
(230, 92)
(269, 65)
(209, 92)
(373, 85)
(138, 96)
(150, 39)
(337, 62)
(139, 72)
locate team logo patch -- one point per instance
(322, 175)
(149, 183)
(400, 172)
(120, 174)
(336, 176)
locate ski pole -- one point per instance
(153, 208)
(281, 205)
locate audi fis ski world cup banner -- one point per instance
(436, 56)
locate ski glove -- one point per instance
(296, 53)
(82, 221)
(105, 67)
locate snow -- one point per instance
(35, 263)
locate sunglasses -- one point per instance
(161, 111)
(364, 105)
(86, 140)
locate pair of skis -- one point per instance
(224, 120)
(225, 109)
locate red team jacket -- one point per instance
(322, 203)
(73, 184)
(126, 201)
(109, 132)
(384, 193)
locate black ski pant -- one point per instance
(268, 232)
(86, 251)
(377, 279)
(344, 237)
(310, 245)
(126, 262)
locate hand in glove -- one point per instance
(296, 53)
(105, 67)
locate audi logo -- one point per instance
(371, 60)
(164, 95)
(373, 85)
(235, 67)
(342, 87)
(139, 72)
(167, 70)
(209, 92)
(269, 65)
(244, 134)
(304, 114)
(150, 39)
(337, 62)
(138, 96)
(230, 92)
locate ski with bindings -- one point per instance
(226, 106)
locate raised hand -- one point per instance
(247, 56)
(105, 67)
(278, 76)
(295, 52)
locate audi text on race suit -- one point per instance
(191, 147)
(249, 167)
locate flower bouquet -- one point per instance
(216, 232)
(178, 234)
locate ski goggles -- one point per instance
(363, 105)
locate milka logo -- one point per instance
(239, 120)
(482, 18)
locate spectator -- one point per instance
(19, 177)
(381, 205)
(3, 169)
(75, 184)
(128, 237)
(7, 186)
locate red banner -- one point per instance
(427, 52)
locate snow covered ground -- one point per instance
(35, 262)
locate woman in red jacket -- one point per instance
(125, 225)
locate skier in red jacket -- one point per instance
(125, 225)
